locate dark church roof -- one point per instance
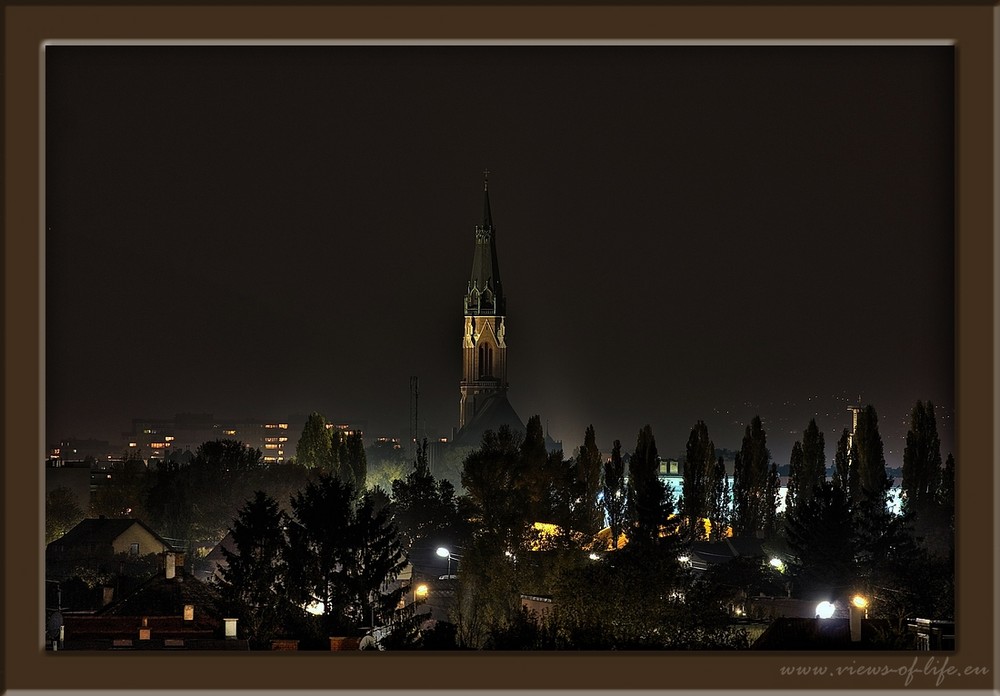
(485, 293)
(494, 412)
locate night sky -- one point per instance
(684, 233)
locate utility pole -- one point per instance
(414, 415)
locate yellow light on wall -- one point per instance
(420, 591)
(859, 601)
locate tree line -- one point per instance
(316, 551)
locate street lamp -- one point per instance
(420, 592)
(445, 553)
(859, 610)
(824, 610)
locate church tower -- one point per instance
(484, 348)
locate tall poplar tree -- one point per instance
(698, 482)
(946, 491)
(842, 462)
(315, 447)
(720, 510)
(353, 463)
(535, 477)
(614, 492)
(587, 469)
(646, 493)
(869, 457)
(813, 460)
(750, 481)
(795, 478)
(921, 460)
(772, 497)
(806, 466)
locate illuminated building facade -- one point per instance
(155, 439)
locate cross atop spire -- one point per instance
(486, 179)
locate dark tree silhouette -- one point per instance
(255, 575)
(645, 508)
(614, 492)
(751, 501)
(921, 461)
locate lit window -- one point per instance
(228, 432)
(133, 549)
(169, 438)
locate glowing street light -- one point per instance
(420, 592)
(445, 553)
(859, 610)
(824, 610)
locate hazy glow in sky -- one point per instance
(684, 233)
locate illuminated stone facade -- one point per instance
(484, 347)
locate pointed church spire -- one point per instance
(485, 293)
(487, 215)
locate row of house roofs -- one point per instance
(174, 608)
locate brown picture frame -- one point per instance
(973, 27)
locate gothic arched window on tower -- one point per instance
(485, 361)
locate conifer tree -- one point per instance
(318, 550)
(343, 551)
(423, 507)
(375, 558)
(820, 534)
(254, 579)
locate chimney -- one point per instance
(171, 570)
